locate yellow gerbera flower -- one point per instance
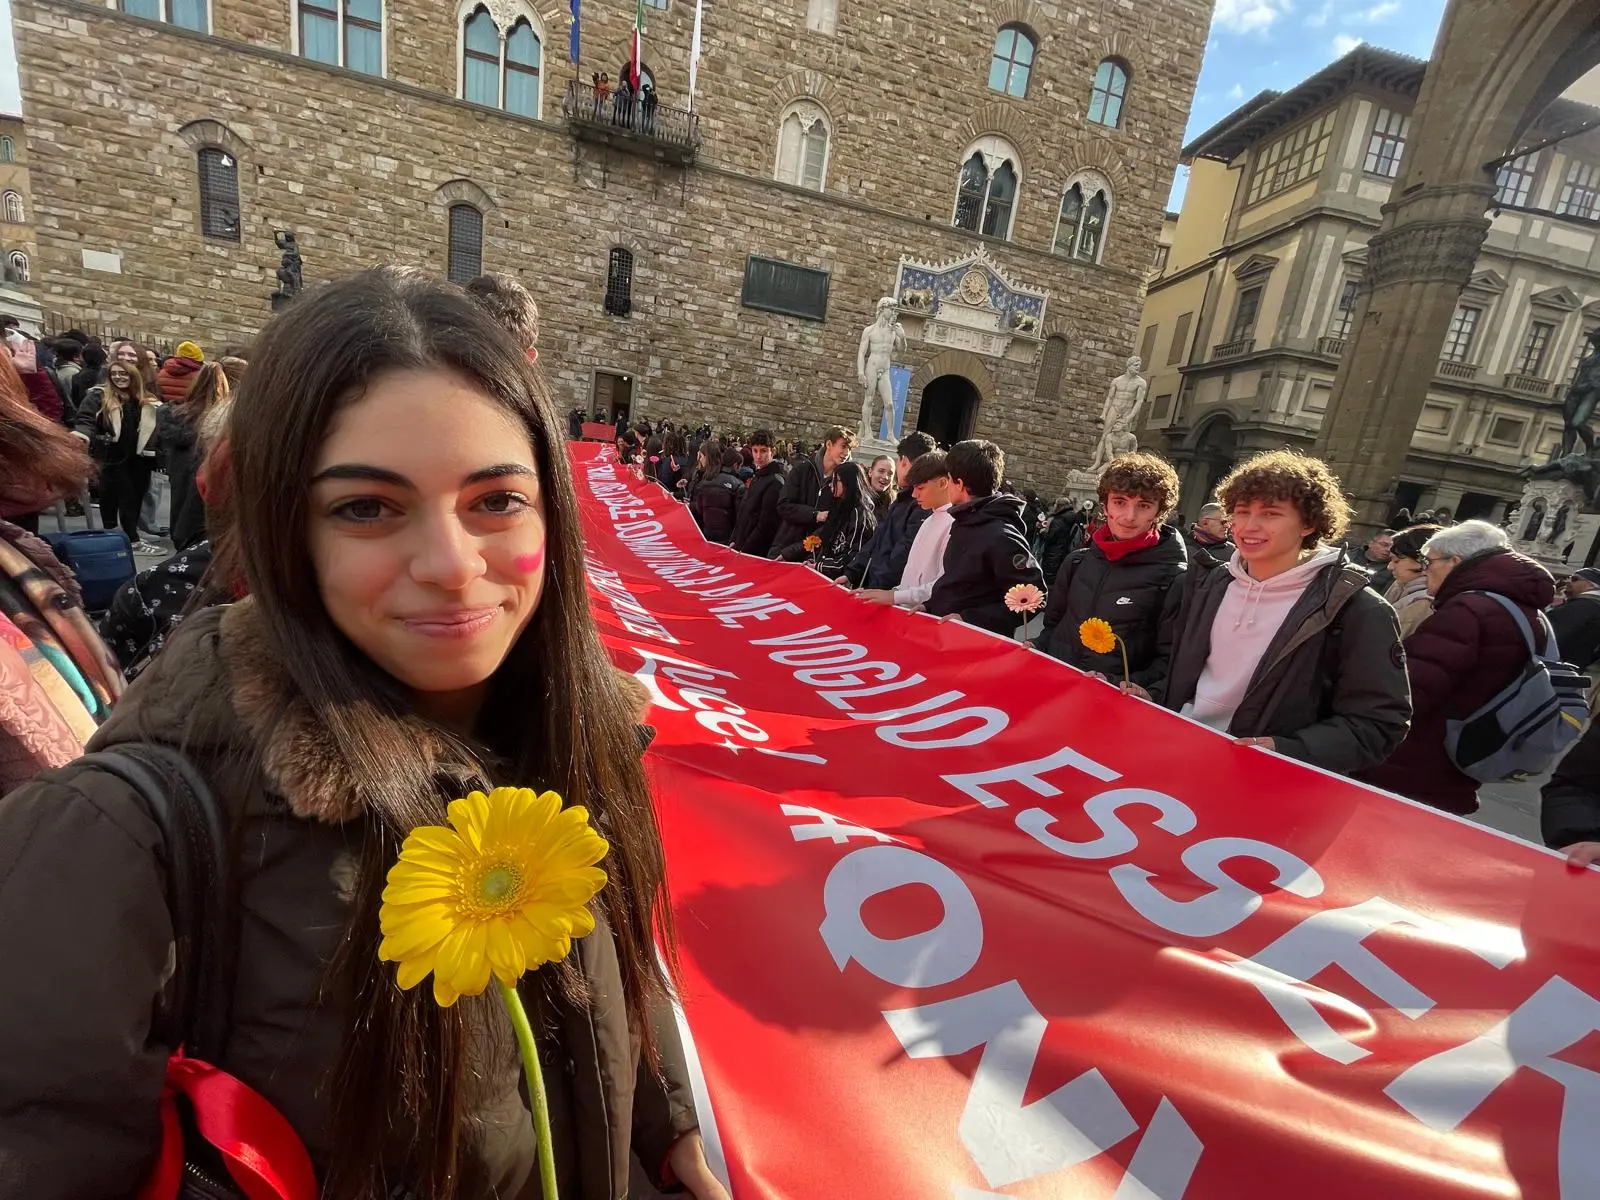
(504, 889)
(1097, 635)
(811, 542)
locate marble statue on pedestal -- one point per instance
(1119, 416)
(879, 341)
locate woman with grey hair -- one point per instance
(1461, 656)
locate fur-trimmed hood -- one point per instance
(220, 688)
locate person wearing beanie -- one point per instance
(176, 375)
(1409, 591)
(1577, 622)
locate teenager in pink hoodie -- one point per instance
(1286, 647)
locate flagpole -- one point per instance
(694, 52)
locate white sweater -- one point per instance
(926, 562)
(1247, 620)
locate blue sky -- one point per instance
(1254, 44)
(1261, 44)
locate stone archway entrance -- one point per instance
(1496, 67)
(949, 410)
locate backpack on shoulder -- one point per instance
(1529, 724)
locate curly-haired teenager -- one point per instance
(1127, 575)
(1288, 648)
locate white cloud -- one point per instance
(1320, 18)
(1343, 43)
(1375, 15)
(1248, 16)
(1236, 92)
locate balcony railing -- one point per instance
(1450, 369)
(639, 126)
(1530, 385)
(1233, 349)
(1333, 347)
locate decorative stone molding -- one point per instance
(1095, 153)
(804, 84)
(956, 362)
(1117, 46)
(1256, 264)
(464, 191)
(207, 132)
(1549, 498)
(971, 303)
(1022, 12)
(1425, 252)
(1010, 124)
(1562, 299)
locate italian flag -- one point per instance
(638, 49)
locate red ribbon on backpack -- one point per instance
(261, 1150)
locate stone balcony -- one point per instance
(1450, 369)
(1234, 349)
(657, 131)
(1333, 347)
(1528, 385)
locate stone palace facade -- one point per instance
(999, 167)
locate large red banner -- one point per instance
(958, 921)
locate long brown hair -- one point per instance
(556, 714)
(209, 387)
(36, 453)
(111, 396)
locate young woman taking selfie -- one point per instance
(402, 519)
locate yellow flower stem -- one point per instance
(1121, 645)
(536, 1094)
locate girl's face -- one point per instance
(427, 530)
(119, 377)
(126, 354)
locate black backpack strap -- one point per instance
(196, 857)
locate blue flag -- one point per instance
(572, 52)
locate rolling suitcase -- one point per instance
(102, 560)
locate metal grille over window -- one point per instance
(1387, 144)
(219, 194)
(619, 282)
(1052, 365)
(466, 243)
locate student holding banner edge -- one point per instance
(1287, 647)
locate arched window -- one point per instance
(8, 150)
(481, 66)
(1085, 213)
(986, 192)
(347, 33)
(466, 244)
(1012, 61)
(13, 206)
(619, 282)
(803, 146)
(501, 70)
(19, 264)
(1110, 90)
(646, 76)
(219, 194)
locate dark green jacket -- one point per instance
(1331, 690)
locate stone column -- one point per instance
(1417, 266)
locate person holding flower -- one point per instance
(1287, 648)
(416, 635)
(1130, 576)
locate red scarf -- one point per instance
(1114, 549)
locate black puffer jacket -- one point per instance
(1331, 688)
(758, 511)
(715, 505)
(1056, 544)
(881, 562)
(803, 498)
(1138, 595)
(1570, 811)
(986, 556)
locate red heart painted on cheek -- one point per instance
(528, 564)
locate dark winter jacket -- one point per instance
(758, 511)
(81, 1084)
(715, 504)
(1331, 688)
(1463, 654)
(986, 556)
(805, 495)
(150, 606)
(175, 430)
(1577, 626)
(1570, 811)
(1138, 595)
(44, 395)
(1058, 538)
(1215, 554)
(882, 561)
(842, 540)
